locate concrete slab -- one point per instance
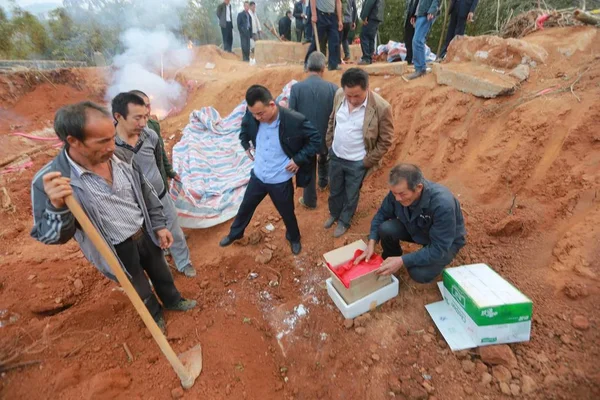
(272, 52)
(475, 79)
(385, 68)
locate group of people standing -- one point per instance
(248, 27)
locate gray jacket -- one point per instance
(58, 226)
(350, 11)
(373, 10)
(313, 97)
(428, 7)
(222, 14)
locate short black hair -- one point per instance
(257, 93)
(139, 93)
(120, 104)
(288, 12)
(252, 3)
(355, 77)
(406, 172)
(246, 2)
(70, 120)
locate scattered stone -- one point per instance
(230, 313)
(31, 277)
(480, 367)
(565, 339)
(575, 291)
(504, 388)
(515, 373)
(431, 330)
(255, 238)
(529, 385)
(177, 393)
(204, 284)
(486, 379)
(78, 286)
(228, 389)
(580, 322)
(279, 387)
(550, 380)
(375, 357)
(515, 389)
(501, 373)
(468, 366)
(41, 286)
(442, 343)
(468, 390)
(360, 330)
(264, 257)
(428, 387)
(427, 338)
(348, 323)
(462, 354)
(256, 224)
(498, 355)
(439, 370)
(521, 72)
(395, 385)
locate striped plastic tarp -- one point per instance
(213, 166)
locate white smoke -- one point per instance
(147, 57)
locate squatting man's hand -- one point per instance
(57, 188)
(292, 167)
(165, 238)
(390, 266)
(367, 254)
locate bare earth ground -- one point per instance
(526, 169)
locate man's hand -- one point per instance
(313, 18)
(365, 21)
(249, 153)
(165, 238)
(353, 25)
(430, 17)
(367, 254)
(292, 167)
(177, 178)
(413, 21)
(470, 17)
(390, 266)
(340, 26)
(57, 188)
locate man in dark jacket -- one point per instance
(300, 18)
(461, 12)
(417, 211)
(327, 15)
(409, 28)
(371, 15)
(425, 14)
(285, 26)
(281, 143)
(350, 15)
(225, 16)
(244, 24)
(116, 197)
(313, 98)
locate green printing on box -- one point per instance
(486, 297)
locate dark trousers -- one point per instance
(139, 254)
(308, 30)
(456, 27)
(367, 40)
(344, 38)
(245, 43)
(409, 33)
(345, 180)
(282, 196)
(327, 24)
(393, 231)
(320, 165)
(227, 34)
(299, 31)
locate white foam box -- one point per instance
(360, 286)
(480, 308)
(365, 304)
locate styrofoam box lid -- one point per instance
(485, 286)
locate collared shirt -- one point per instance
(145, 157)
(270, 160)
(255, 22)
(326, 6)
(348, 140)
(228, 13)
(117, 206)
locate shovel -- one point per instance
(316, 36)
(189, 364)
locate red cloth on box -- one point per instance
(349, 271)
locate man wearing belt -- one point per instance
(360, 131)
(417, 211)
(372, 16)
(116, 197)
(135, 141)
(226, 23)
(327, 14)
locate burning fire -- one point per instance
(190, 45)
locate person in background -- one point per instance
(135, 142)
(285, 26)
(244, 24)
(461, 12)
(327, 15)
(256, 27)
(313, 98)
(308, 29)
(424, 17)
(281, 142)
(359, 133)
(226, 23)
(418, 211)
(300, 18)
(372, 16)
(350, 15)
(117, 199)
(409, 28)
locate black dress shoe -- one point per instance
(226, 241)
(296, 247)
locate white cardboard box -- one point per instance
(365, 304)
(480, 308)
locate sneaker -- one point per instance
(303, 204)
(329, 223)
(414, 75)
(340, 229)
(182, 305)
(189, 271)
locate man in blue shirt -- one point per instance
(282, 143)
(418, 211)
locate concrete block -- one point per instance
(271, 52)
(475, 79)
(385, 68)
(521, 72)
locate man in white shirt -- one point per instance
(226, 23)
(256, 28)
(361, 130)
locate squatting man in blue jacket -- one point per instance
(419, 211)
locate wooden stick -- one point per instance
(128, 352)
(586, 18)
(5, 368)
(316, 36)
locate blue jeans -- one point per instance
(327, 24)
(422, 29)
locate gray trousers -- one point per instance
(179, 250)
(310, 191)
(345, 180)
